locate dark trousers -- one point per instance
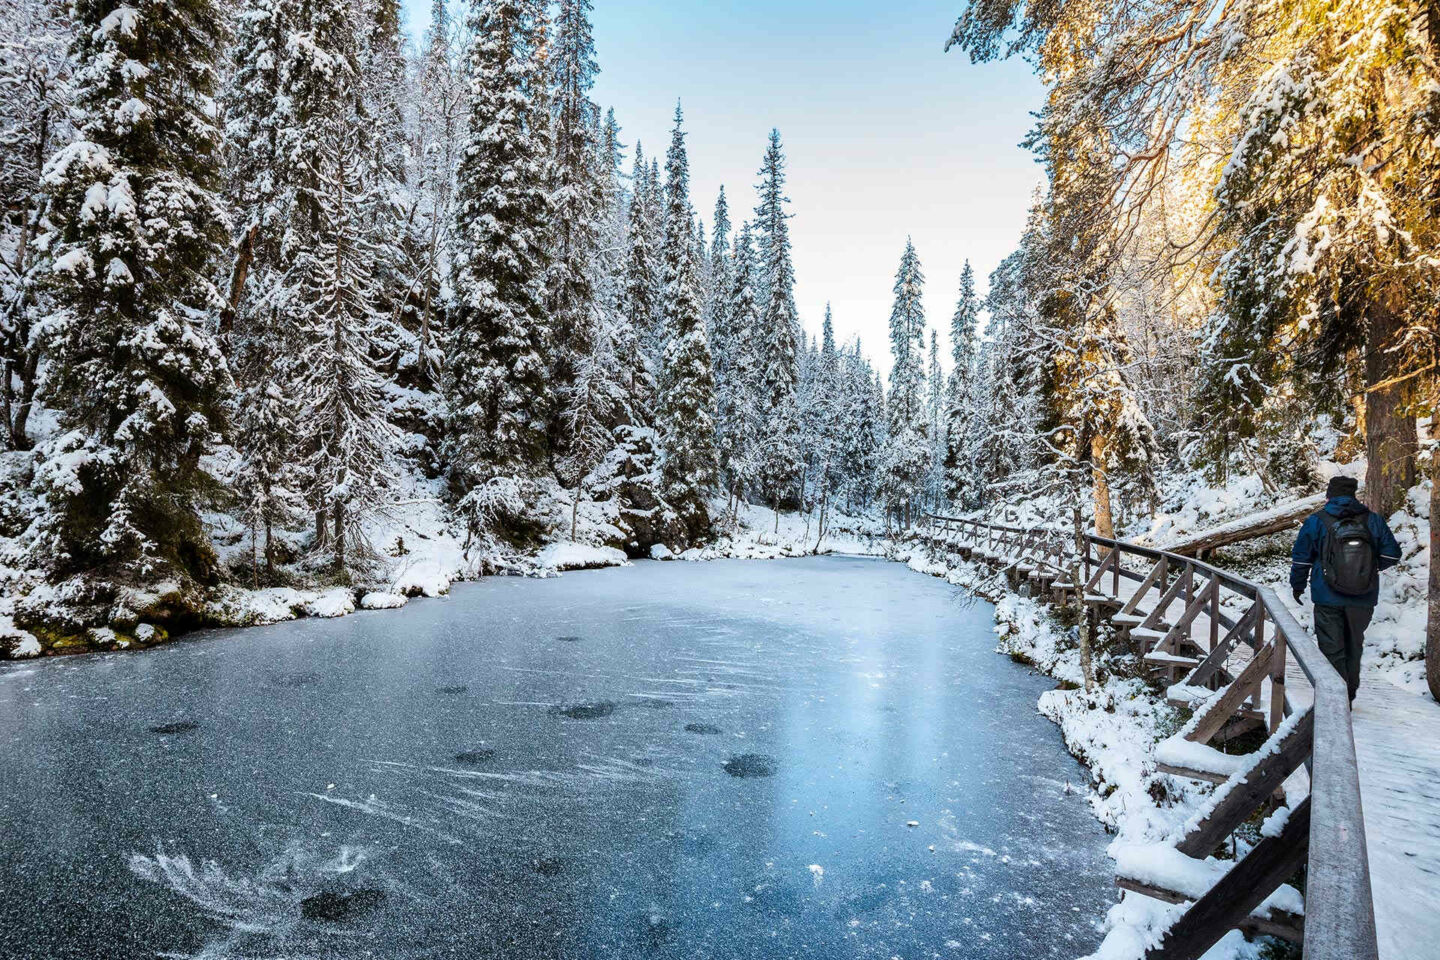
(1341, 633)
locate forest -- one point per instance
(271, 268)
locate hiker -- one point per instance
(1341, 550)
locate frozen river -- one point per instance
(801, 758)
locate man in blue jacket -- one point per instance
(1344, 577)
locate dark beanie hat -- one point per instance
(1341, 487)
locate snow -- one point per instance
(1180, 752)
(335, 602)
(382, 600)
(1161, 865)
(25, 644)
(569, 555)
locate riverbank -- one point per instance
(418, 554)
(1112, 730)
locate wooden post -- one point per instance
(1277, 679)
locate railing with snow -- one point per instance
(1232, 638)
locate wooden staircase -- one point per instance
(1220, 645)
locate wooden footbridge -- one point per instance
(1231, 652)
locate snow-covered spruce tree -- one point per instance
(343, 434)
(438, 131)
(907, 454)
(960, 423)
(267, 481)
(577, 203)
(34, 35)
(383, 92)
(779, 333)
(498, 352)
(640, 303)
(136, 379)
(827, 403)
(935, 425)
(717, 281)
(331, 295)
(686, 414)
(737, 426)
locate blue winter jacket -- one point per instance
(1305, 557)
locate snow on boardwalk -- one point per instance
(1397, 739)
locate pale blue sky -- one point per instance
(886, 135)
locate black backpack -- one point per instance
(1348, 556)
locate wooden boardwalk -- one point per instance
(1232, 652)
(1397, 740)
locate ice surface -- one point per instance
(329, 766)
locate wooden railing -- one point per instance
(1182, 614)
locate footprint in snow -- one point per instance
(451, 691)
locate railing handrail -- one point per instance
(1339, 904)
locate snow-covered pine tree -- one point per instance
(34, 35)
(259, 187)
(577, 202)
(827, 401)
(136, 378)
(737, 381)
(343, 440)
(266, 483)
(686, 415)
(642, 267)
(718, 280)
(382, 92)
(779, 333)
(935, 426)
(438, 133)
(960, 448)
(499, 335)
(907, 455)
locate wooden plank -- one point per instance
(1340, 911)
(1223, 707)
(1238, 799)
(1270, 863)
(1281, 923)
(1215, 659)
(1192, 772)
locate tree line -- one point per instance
(266, 259)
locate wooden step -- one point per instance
(1104, 599)
(1185, 758)
(1279, 923)
(1161, 658)
(1128, 619)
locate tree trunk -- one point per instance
(1085, 615)
(1390, 439)
(339, 537)
(244, 256)
(1104, 524)
(1432, 628)
(575, 513)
